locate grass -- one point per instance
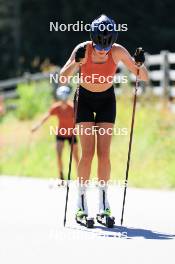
(153, 150)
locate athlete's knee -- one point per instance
(103, 154)
(104, 159)
(87, 156)
(88, 152)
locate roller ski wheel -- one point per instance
(84, 220)
(105, 219)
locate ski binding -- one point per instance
(105, 220)
(85, 221)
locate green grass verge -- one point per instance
(153, 150)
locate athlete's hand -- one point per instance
(139, 56)
(34, 128)
(80, 54)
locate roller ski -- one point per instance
(106, 219)
(83, 219)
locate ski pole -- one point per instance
(71, 152)
(130, 144)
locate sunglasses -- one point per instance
(97, 47)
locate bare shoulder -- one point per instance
(118, 52)
(117, 48)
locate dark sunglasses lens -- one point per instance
(99, 48)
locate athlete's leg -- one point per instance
(103, 150)
(87, 141)
(59, 148)
(85, 121)
(104, 136)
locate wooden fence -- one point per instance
(161, 77)
(161, 69)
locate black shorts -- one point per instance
(98, 107)
(69, 139)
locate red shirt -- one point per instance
(65, 114)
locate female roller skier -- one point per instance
(97, 62)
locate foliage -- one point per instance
(152, 158)
(25, 35)
(35, 97)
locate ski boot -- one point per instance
(83, 219)
(105, 218)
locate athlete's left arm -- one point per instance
(120, 53)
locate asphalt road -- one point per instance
(31, 226)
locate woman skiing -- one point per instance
(97, 62)
(63, 110)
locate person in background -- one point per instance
(64, 111)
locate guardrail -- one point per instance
(161, 69)
(15, 81)
(161, 76)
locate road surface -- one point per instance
(32, 232)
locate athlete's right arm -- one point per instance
(72, 65)
(42, 121)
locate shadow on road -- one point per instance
(125, 232)
(130, 233)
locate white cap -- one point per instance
(63, 92)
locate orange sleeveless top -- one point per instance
(65, 117)
(98, 72)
